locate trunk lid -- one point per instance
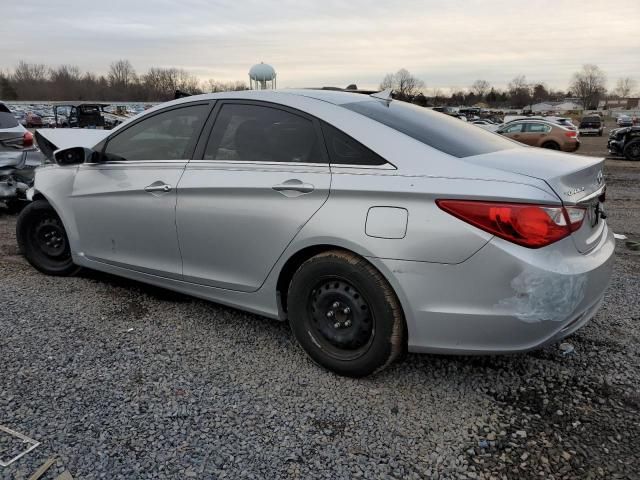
(576, 179)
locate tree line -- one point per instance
(588, 85)
(34, 81)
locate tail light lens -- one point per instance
(571, 134)
(529, 225)
(27, 139)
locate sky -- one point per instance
(446, 43)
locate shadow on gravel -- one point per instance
(157, 293)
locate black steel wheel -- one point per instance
(345, 314)
(43, 239)
(341, 318)
(632, 150)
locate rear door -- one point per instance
(260, 175)
(534, 133)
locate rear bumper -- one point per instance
(589, 131)
(503, 299)
(571, 147)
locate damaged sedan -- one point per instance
(372, 226)
(18, 160)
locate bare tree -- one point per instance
(437, 96)
(407, 85)
(121, 75)
(540, 92)
(404, 85)
(388, 81)
(589, 84)
(213, 86)
(30, 72)
(63, 79)
(520, 91)
(481, 88)
(30, 80)
(625, 87)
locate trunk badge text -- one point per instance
(574, 191)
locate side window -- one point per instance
(255, 133)
(346, 151)
(537, 128)
(517, 128)
(168, 135)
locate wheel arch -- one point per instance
(293, 262)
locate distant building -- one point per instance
(632, 103)
(556, 107)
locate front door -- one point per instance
(262, 176)
(125, 204)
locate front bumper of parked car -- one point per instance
(503, 299)
(615, 146)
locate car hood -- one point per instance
(51, 139)
(572, 177)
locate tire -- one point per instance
(632, 150)
(43, 240)
(551, 146)
(366, 330)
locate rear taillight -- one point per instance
(27, 139)
(571, 134)
(532, 226)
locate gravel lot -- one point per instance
(122, 380)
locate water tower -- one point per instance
(262, 77)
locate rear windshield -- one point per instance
(442, 132)
(7, 120)
(591, 119)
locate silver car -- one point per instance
(373, 226)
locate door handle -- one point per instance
(158, 187)
(294, 185)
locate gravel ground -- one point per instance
(122, 380)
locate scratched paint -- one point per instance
(545, 296)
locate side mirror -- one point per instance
(75, 156)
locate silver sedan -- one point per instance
(371, 225)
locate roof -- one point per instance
(329, 96)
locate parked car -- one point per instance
(624, 121)
(591, 124)
(85, 115)
(33, 120)
(486, 125)
(18, 159)
(371, 225)
(625, 141)
(539, 133)
(564, 121)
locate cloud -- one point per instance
(333, 42)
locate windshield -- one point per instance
(442, 132)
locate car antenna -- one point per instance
(385, 95)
